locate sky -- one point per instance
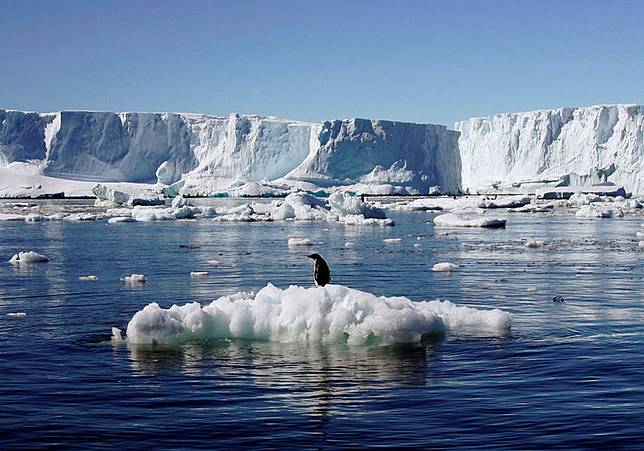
(421, 61)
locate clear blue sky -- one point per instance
(424, 61)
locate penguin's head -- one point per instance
(314, 256)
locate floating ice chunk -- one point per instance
(506, 202)
(417, 245)
(641, 244)
(445, 267)
(531, 289)
(349, 244)
(179, 202)
(361, 220)
(120, 219)
(299, 242)
(135, 278)
(453, 220)
(88, 278)
(345, 204)
(533, 208)
(535, 243)
(639, 234)
(33, 217)
(27, 258)
(579, 199)
(329, 314)
(81, 217)
(590, 211)
(17, 314)
(214, 262)
(106, 196)
(242, 213)
(392, 240)
(283, 211)
(11, 217)
(117, 338)
(198, 273)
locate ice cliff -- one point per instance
(203, 154)
(196, 154)
(570, 145)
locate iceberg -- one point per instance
(240, 155)
(565, 146)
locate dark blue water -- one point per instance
(569, 375)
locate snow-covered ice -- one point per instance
(135, 278)
(592, 211)
(299, 242)
(329, 314)
(454, 220)
(28, 258)
(445, 267)
(90, 277)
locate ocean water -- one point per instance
(568, 376)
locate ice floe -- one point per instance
(454, 220)
(135, 278)
(17, 314)
(505, 202)
(330, 314)
(198, 273)
(28, 258)
(445, 267)
(90, 277)
(591, 211)
(299, 242)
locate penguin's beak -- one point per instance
(311, 256)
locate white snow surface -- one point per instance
(330, 314)
(574, 145)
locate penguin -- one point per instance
(321, 273)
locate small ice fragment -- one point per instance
(17, 314)
(641, 244)
(445, 266)
(198, 273)
(534, 243)
(418, 238)
(120, 219)
(349, 244)
(639, 234)
(116, 335)
(418, 245)
(214, 262)
(531, 289)
(300, 242)
(135, 278)
(86, 278)
(28, 257)
(499, 296)
(392, 240)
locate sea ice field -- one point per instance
(450, 323)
